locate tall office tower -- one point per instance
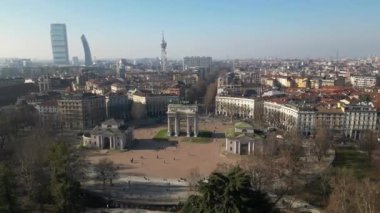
(87, 52)
(120, 68)
(164, 60)
(59, 44)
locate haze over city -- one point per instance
(221, 29)
(189, 106)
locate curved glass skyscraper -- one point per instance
(87, 52)
(59, 43)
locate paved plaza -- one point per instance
(162, 159)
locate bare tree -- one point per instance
(5, 132)
(138, 111)
(261, 170)
(368, 143)
(105, 170)
(271, 146)
(352, 195)
(193, 178)
(209, 98)
(321, 141)
(367, 196)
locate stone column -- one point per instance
(176, 126)
(249, 147)
(169, 127)
(188, 126)
(195, 126)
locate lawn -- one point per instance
(351, 158)
(162, 135)
(203, 137)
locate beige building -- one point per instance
(156, 104)
(48, 113)
(235, 106)
(350, 120)
(81, 110)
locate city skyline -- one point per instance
(221, 29)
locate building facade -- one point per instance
(155, 105)
(81, 110)
(363, 81)
(59, 44)
(44, 84)
(347, 119)
(239, 139)
(117, 105)
(195, 62)
(111, 134)
(235, 106)
(87, 52)
(48, 114)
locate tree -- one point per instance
(196, 91)
(261, 172)
(33, 161)
(138, 111)
(230, 192)
(368, 143)
(7, 199)
(65, 188)
(5, 132)
(352, 195)
(194, 178)
(105, 170)
(321, 142)
(209, 98)
(365, 98)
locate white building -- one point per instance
(44, 83)
(239, 139)
(363, 81)
(111, 134)
(359, 118)
(235, 106)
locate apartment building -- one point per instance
(235, 106)
(156, 104)
(348, 119)
(363, 81)
(81, 110)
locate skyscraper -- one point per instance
(59, 43)
(120, 68)
(87, 52)
(164, 60)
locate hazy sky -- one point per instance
(219, 28)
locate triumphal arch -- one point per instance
(182, 112)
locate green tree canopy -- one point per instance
(230, 192)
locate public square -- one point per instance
(168, 159)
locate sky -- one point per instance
(223, 29)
